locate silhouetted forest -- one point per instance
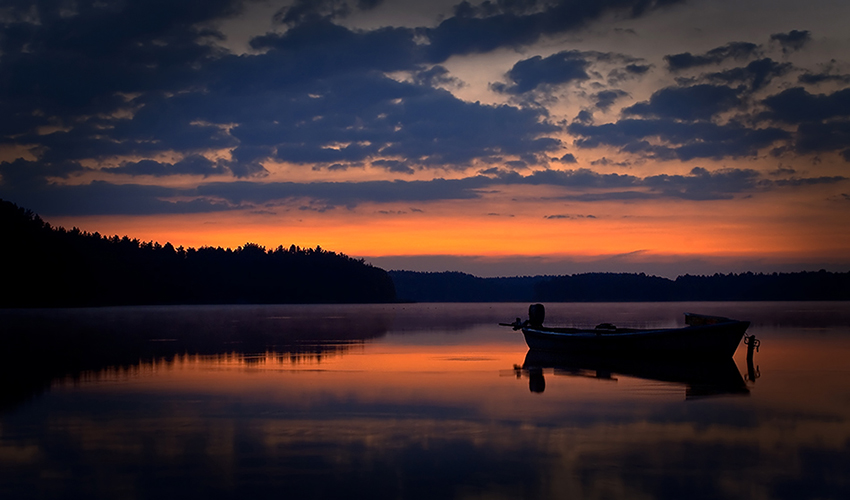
(620, 287)
(52, 267)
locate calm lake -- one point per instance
(414, 401)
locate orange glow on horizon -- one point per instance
(665, 229)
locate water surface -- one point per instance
(414, 401)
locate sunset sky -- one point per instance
(501, 138)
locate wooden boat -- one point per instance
(704, 336)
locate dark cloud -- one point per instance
(791, 41)
(518, 23)
(568, 158)
(104, 198)
(107, 81)
(191, 165)
(584, 116)
(302, 11)
(783, 170)
(699, 102)
(78, 63)
(99, 198)
(704, 185)
(681, 140)
(605, 162)
(816, 78)
(629, 71)
(605, 99)
(756, 74)
(681, 122)
(529, 74)
(345, 193)
(811, 181)
(544, 74)
(813, 137)
(28, 174)
(316, 94)
(435, 76)
(569, 216)
(320, 49)
(732, 50)
(396, 166)
(822, 120)
(580, 178)
(796, 105)
(637, 69)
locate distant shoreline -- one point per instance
(61, 268)
(622, 287)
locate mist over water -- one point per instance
(414, 401)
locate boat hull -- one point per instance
(714, 340)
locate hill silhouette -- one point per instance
(54, 267)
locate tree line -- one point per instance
(621, 287)
(54, 267)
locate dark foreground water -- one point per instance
(414, 401)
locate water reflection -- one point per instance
(704, 377)
(40, 346)
(407, 402)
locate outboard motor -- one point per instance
(536, 313)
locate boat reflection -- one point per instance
(701, 378)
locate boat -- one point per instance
(704, 337)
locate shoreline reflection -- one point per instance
(41, 347)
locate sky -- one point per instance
(499, 138)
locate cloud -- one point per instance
(627, 72)
(102, 198)
(699, 102)
(394, 166)
(544, 74)
(682, 140)
(813, 137)
(792, 41)
(316, 94)
(606, 98)
(568, 158)
(732, 50)
(75, 64)
(436, 76)
(568, 216)
(150, 79)
(519, 23)
(191, 165)
(822, 120)
(307, 10)
(606, 162)
(757, 73)
(558, 69)
(816, 78)
(704, 185)
(796, 105)
(22, 173)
